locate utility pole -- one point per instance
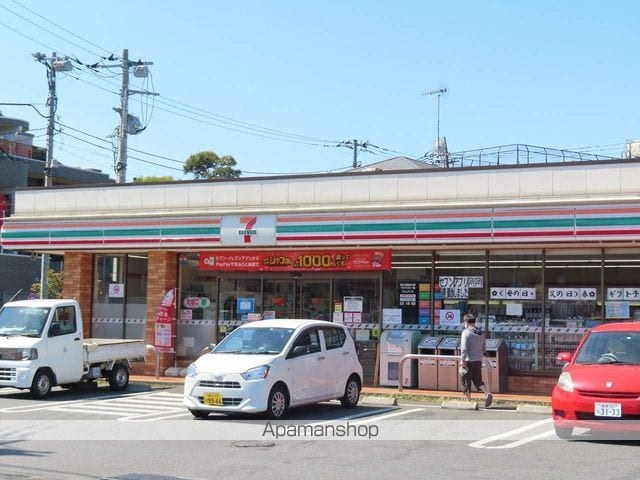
(128, 123)
(53, 64)
(121, 166)
(354, 144)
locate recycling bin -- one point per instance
(497, 352)
(448, 367)
(395, 344)
(428, 367)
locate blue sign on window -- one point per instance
(245, 305)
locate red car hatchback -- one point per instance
(600, 384)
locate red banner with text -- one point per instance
(296, 260)
(165, 325)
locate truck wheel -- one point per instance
(119, 377)
(41, 385)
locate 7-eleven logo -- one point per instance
(248, 230)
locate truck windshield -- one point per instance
(256, 341)
(610, 347)
(22, 321)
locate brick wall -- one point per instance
(78, 283)
(531, 384)
(162, 275)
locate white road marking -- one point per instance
(483, 442)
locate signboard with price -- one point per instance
(290, 261)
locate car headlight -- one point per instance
(565, 382)
(257, 373)
(28, 354)
(192, 370)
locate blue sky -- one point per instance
(548, 73)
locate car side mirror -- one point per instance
(208, 349)
(563, 357)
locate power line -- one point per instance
(61, 27)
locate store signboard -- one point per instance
(575, 293)
(295, 260)
(248, 230)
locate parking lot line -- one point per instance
(483, 442)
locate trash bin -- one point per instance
(428, 367)
(497, 352)
(395, 344)
(448, 367)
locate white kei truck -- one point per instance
(41, 345)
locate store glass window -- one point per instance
(622, 285)
(358, 298)
(278, 298)
(573, 299)
(515, 305)
(196, 309)
(407, 289)
(459, 288)
(119, 307)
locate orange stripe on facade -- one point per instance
(100, 223)
(598, 211)
(319, 218)
(454, 215)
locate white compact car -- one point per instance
(271, 365)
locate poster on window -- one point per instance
(352, 304)
(617, 310)
(164, 338)
(572, 293)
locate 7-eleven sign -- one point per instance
(248, 230)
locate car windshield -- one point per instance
(255, 340)
(22, 321)
(610, 347)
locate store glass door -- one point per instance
(315, 296)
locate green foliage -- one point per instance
(150, 179)
(205, 165)
(56, 285)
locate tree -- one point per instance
(151, 178)
(55, 285)
(209, 165)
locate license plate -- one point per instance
(212, 398)
(608, 410)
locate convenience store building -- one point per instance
(539, 252)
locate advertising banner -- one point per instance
(295, 260)
(165, 323)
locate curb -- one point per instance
(386, 401)
(528, 408)
(458, 405)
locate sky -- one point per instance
(278, 85)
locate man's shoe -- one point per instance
(488, 400)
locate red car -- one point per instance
(600, 383)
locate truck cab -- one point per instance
(42, 345)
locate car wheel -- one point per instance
(41, 385)
(351, 393)
(199, 413)
(563, 433)
(277, 403)
(119, 377)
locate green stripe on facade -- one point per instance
(478, 225)
(542, 223)
(309, 228)
(75, 233)
(138, 232)
(19, 234)
(378, 227)
(602, 222)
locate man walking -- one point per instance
(472, 351)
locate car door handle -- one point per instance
(77, 339)
(321, 358)
(345, 353)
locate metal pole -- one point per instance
(121, 166)
(52, 101)
(355, 153)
